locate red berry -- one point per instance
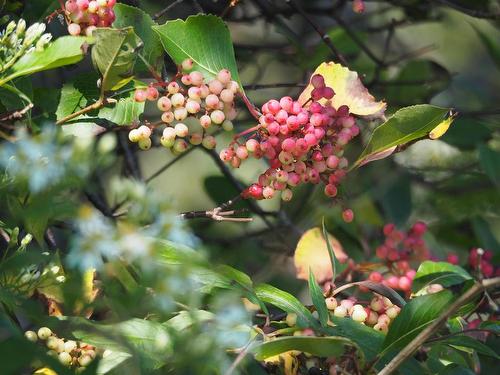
(376, 277)
(452, 258)
(348, 215)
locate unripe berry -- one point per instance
(348, 215)
(180, 145)
(196, 139)
(286, 195)
(186, 80)
(224, 76)
(167, 142)
(242, 152)
(54, 343)
(84, 360)
(382, 327)
(44, 333)
(209, 142)
(291, 319)
(434, 288)
(65, 358)
(69, 346)
(181, 130)
(194, 93)
(268, 192)
(227, 96)
(392, 311)
(419, 228)
(340, 311)
(93, 7)
(233, 86)
(328, 92)
(372, 318)
(252, 145)
(140, 96)
(134, 135)
(144, 132)
(359, 314)
(164, 104)
(90, 30)
(196, 78)
(227, 125)
(217, 117)
(74, 29)
(177, 100)
(332, 161)
(173, 88)
(212, 101)
(377, 304)
(31, 336)
(167, 117)
(383, 319)
(187, 64)
(180, 113)
(215, 86)
(347, 303)
(205, 121)
(192, 106)
(145, 144)
(331, 303)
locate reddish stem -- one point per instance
(255, 113)
(247, 131)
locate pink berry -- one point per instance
(317, 81)
(164, 104)
(152, 93)
(404, 283)
(224, 76)
(139, 95)
(376, 277)
(348, 215)
(74, 29)
(330, 190)
(452, 258)
(419, 228)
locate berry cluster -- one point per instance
(378, 313)
(209, 103)
(85, 16)
(480, 260)
(397, 249)
(77, 355)
(303, 143)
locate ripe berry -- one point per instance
(140, 96)
(317, 81)
(196, 78)
(173, 88)
(376, 277)
(348, 215)
(74, 29)
(44, 333)
(227, 96)
(224, 76)
(215, 86)
(419, 228)
(152, 93)
(377, 304)
(452, 258)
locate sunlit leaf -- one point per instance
(312, 253)
(349, 90)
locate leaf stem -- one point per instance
(101, 102)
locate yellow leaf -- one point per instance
(442, 128)
(311, 252)
(348, 91)
(45, 371)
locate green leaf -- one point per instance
(186, 319)
(286, 302)
(442, 273)
(491, 325)
(318, 299)
(125, 111)
(203, 38)
(490, 162)
(114, 55)
(152, 51)
(63, 51)
(414, 317)
(407, 125)
(319, 346)
(491, 45)
(454, 369)
(458, 341)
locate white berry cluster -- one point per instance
(77, 355)
(378, 314)
(190, 96)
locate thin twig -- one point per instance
(166, 9)
(423, 336)
(324, 37)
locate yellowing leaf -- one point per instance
(45, 371)
(312, 253)
(442, 128)
(348, 91)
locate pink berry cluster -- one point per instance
(379, 313)
(210, 104)
(396, 251)
(303, 143)
(85, 16)
(481, 260)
